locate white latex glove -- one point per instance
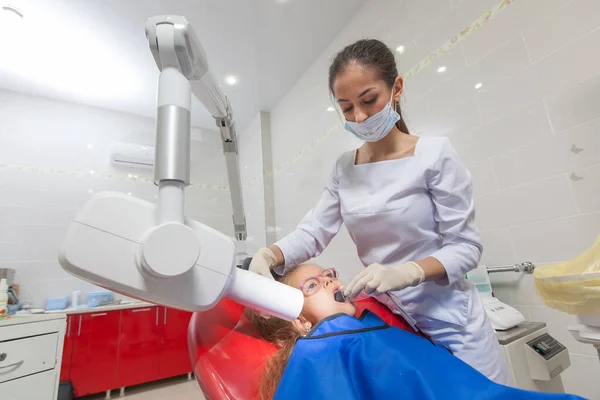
(262, 263)
(379, 279)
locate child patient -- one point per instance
(327, 353)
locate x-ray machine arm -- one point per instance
(152, 251)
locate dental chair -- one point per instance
(228, 355)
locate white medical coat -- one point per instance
(406, 210)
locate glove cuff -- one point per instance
(419, 275)
(270, 257)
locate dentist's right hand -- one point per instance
(263, 262)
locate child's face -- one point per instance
(321, 304)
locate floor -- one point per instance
(178, 388)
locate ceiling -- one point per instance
(95, 52)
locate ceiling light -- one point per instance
(90, 146)
(400, 49)
(478, 85)
(442, 69)
(11, 14)
(330, 109)
(231, 80)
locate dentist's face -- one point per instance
(360, 92)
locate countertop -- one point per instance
(126, 305)
(28, 318)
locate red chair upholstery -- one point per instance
(228, 355)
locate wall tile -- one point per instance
(504, 134)
(512, 288)
(586, 186)
(503, 62)
(575, 104)
(532, 83)
(518, 16)
(579, 378)
(484, 180)
(553, 155)
(561, 27)
(527, 203)
(498, 249)
(555, 240)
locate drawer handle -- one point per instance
(99, 315)
(15, 364)
(140, 309)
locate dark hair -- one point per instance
(369, 53)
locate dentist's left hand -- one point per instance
(263, 262)
(378, 279)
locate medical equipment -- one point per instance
(535, 358)
(501, 315)
(152, 251)
(574, 287)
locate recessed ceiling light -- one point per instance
(231, 80)
(330, 109)
(400, 49)
(90, 146)
(442, 69)
(478, 85)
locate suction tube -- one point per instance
(265, 295)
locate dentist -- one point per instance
(407, 204)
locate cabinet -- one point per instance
(107, 350)
(95, 350)
(65, 368)
(139, 346)
(174, 353)
(31, 348)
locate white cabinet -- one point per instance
(30, 356)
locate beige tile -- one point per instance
(515, 18)
(497, 137)
(484, 180)
(558, 29)
(430, 78)
(552, 155)
(579, 378)
(575, 104)
(555, 240)
(513, 288)
(498, 249)
(538, 201)
(459, 117)
(586, 187)
(539, 79)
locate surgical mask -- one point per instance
(376, 127)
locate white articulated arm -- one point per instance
(152, 251)
(174, 44)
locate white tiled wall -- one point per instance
(529, 134)
(48, 150)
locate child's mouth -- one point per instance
(339, 296)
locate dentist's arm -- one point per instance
(309, 239)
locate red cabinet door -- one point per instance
(65, 367)
(174, 353)
(138, 347)
(95, 352)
